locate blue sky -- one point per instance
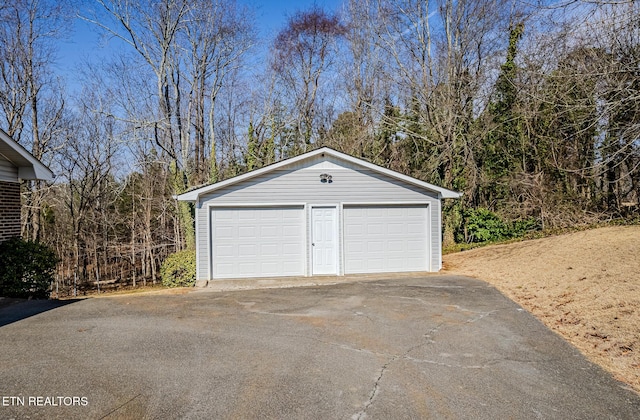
(272, 15)
(84, 42)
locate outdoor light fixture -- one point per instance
(325, 178)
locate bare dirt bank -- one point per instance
(584, 285)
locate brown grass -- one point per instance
(583, 285)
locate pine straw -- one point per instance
(583, 285)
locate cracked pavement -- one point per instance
(432, 346)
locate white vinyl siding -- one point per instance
(383, 239)
(257, 242)
(8, 172)
(203, 242)
(305, 185)
(435, 234)
(9, 210)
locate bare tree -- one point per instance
(31, 101)
(150, 28)
(219, 34)
(442, 54)
(86, 167)
(302, 52)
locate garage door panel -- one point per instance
(375, 246)
(257, 242)
(290, 267)
(354, 229)
(385, 238)
(417, 211)
(291, 250)
(396, 228)
(247, 231)
(354, 247)
(225, 216)
(269, 231)
(415, 226)
(291, 231)
(269, 250)
(411, 244)
(415, 260)
(223, 232)
(396, 261)
(396, 246)
(225, 251)
(290, 217)
(224, 269)
(269, 269)
(376, 266)
(247, 249)
(246, 269)
(377, 228)
(394, 212)
(246, 215)
(268, 216)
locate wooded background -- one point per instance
(532, 110)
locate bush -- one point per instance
(179, 269)
(520, 228)
(28, 269)
(482, 225)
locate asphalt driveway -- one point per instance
(432, 347)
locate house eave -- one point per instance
(29, 168)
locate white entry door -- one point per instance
(324, 242)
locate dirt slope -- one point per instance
(584, 285)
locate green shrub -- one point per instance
(28, 269)
(483, 225)
(520, 228)
(179, 269)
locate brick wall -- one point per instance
(9, 210)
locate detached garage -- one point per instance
(320, 213)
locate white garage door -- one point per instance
(257, 242)
(383, 239)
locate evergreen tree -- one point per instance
(502, 149)
(251, 157)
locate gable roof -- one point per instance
(194, 194)
(28, 166)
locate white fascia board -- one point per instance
(442, 192)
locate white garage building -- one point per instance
(320, 213)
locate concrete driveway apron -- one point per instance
(429, 346)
